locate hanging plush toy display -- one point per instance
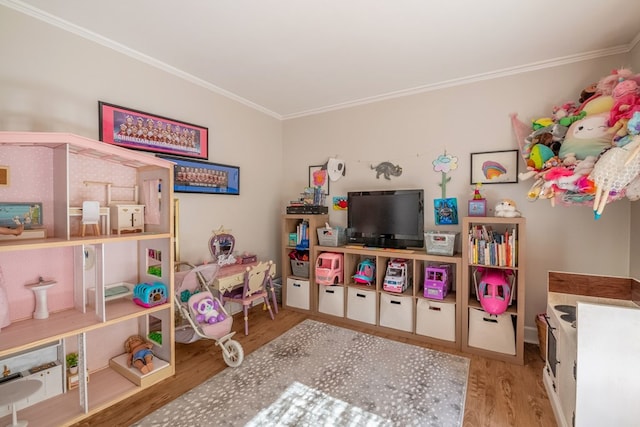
(445, 210)
(585, 153)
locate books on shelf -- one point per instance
(302, 234)
(493, 248)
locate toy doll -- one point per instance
(140, 354)
(12, 231)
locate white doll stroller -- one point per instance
(202, 312)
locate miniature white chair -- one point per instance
(90, 216)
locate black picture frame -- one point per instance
(495, 167)
(138, 130)
(313, 174)
(205, 178)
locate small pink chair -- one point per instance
(256, 282)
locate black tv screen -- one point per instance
(386, 218)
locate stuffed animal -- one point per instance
(627, 101)
(507, 208)
(208, 310)
(139, 353)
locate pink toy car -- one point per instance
(330, 268)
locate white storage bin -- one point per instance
(436, 319)
(490, 332)
(440, 242)
(297, 293)
(396, 312)
(331, 300)
(361, 305)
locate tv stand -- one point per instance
(407, 314)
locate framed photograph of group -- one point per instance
(197, 176)
(143, 131)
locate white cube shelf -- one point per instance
(361, 305)
(396, 311)
(298, 293)
(436, 319)
(331, 300)
(490, 332)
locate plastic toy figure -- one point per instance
(12, 231)
(140, 354)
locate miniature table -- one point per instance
(15, 391)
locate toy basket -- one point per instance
(440, 243)
(300, 268)
(335, 236)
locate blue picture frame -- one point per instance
(196, 176)
(446, 211)
(28, 214)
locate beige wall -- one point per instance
(51, 80)
(634, 257)
(412, 131)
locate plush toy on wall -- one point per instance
(507, 208)
(208, 311)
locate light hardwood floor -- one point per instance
(498, 394)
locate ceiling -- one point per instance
(290, 58)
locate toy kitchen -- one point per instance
(593, 349)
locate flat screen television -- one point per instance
(386, 218)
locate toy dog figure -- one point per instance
(507, 208)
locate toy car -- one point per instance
(437, 281)
(330, 268)
(397, 276)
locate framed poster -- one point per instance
(143, 131)
(478, 207)
(446, 211)
(494, 167)
(319, 177)
(196, 176)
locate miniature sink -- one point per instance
(40, 290)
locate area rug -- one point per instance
(317, 374)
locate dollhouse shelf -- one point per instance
(77, 314)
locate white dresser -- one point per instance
(127, 217)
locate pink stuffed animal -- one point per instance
(627, 101)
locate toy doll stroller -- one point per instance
(202, 312)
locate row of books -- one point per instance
(302, 234)
(489, 247)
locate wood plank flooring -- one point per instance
(498, 394)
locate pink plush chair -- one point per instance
(257, 280)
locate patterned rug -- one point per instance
(319, 375)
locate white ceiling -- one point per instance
(291, 58)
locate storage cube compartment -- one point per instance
(300, 268)
(361, 305)
(297, 293)
(396, 312)
(436, 319)
(440, 242)
(494, 333)
(331, 300)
